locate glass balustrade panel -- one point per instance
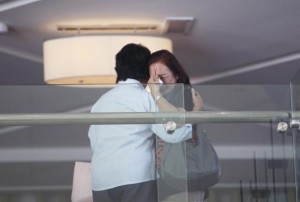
(295, 105)
(37, 160)
(256, 159)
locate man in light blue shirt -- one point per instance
(123, 162)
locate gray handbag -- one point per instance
(199, 166)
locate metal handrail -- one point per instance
(147, 117)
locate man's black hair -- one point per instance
(132, 62)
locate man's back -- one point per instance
(127, 149)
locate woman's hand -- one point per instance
(197, 100)
(153, 82)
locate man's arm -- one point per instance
(180, 134)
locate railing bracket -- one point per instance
(295, 123)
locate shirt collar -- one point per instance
(131, 81)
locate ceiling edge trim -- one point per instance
(20, 54)
(14, 4)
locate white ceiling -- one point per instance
(230, 42)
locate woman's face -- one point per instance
(163, 72)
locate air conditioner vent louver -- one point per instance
(177, 25)
(111, 29)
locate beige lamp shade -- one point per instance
(90, 59)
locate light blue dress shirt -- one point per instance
(124, 154)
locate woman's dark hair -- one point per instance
(132, 62)
(168, 59)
